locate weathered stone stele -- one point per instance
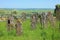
(18, 27)
(33, 21)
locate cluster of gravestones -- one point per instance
(16, 23)
(44, 18)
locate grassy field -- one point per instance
(48, 33)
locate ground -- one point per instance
(28, 34)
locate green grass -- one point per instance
(48, 33)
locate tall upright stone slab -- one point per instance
(33, 21)
(51, 19)
(18, 27)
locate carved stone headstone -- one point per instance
(43, 19)
(33, 21)
(36, 15)
(51, 19)
(10, 23)
(18, 27)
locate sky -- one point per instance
(28, 3)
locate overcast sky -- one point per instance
(28, 3)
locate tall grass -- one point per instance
(48, 33)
